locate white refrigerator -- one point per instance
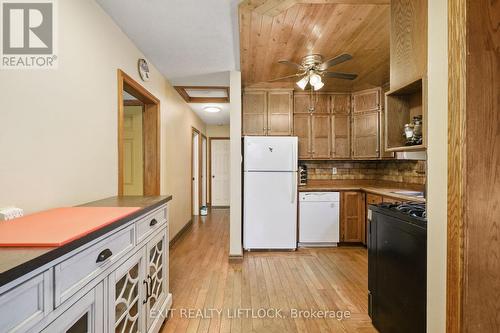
(270, 192)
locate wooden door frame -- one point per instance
(203, 136)
(210, 139)
(193, 132)
(151, 133)
(471, 125)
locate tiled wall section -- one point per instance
(409, 172)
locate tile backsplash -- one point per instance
(408, 172)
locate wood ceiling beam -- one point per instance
(276, 7)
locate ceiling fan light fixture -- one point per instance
(212, 109)
(319, 85)
(315, 79)
(302, 83)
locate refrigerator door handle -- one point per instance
(294, 180)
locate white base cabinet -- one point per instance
(118, 283)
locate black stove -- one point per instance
(415, 210)
(397, 267)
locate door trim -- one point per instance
(193, 132)
(151, 133)
(209, 191)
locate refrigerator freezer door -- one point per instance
(270, 210)
(267, 153)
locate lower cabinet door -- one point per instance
(85, 316)
(127, 290)
(157, 268)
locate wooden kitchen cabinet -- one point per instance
(280, 113)
(321, 136)
(302, 103)
(365, 135)
(340, 103)
(302, 129)
(373, 199)
(366, 100)
(254, 113)
(352, 217)
(268, 112)
(341, 136)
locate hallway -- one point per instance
(207, 289)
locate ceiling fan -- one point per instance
(313, 69)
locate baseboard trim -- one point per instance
(181, 233)
(235, 258)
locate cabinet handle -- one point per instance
(146, 282)
(105, 254)
(153, 222)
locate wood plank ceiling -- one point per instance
(267, 36)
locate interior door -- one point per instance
(220, 169)
(85, 316)
(157, 261)
(127, 294)
(195, 153)
(133, 161)
(203, 171)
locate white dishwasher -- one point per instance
(319, 216)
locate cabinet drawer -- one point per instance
(149, 224)
(26, 304)
(77, 271)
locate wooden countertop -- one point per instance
(379, 189)
(18, 261)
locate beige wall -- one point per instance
(59, 130)
(235, 223)
(220, 131)
(437, 166)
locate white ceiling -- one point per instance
(180, 37)
(191, 42)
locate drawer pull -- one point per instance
(153, 222)
(105, 254)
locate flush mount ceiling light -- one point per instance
(212, 109)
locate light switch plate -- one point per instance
(334, 171)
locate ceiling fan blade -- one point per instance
(286, 77)
(290, 63)
(335, 61)
(345, 76)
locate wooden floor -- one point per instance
(204, 281)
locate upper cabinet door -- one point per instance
(255, 113)
(303, 103)
(366, 100)
(365, 135)
(280, 113)
(321, 136)
(302, 129)
(341, 136)
(340, 103)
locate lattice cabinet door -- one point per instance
(128, 292)
(84, 316)
(156, 273)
